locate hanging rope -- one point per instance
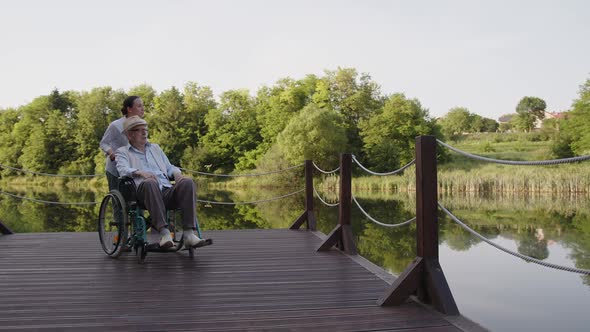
(325, 172)
(237, 175)
(321, 200)
(383, 174)
(516, 162)
(47, 202)
(521, 256)
(49, 174)
(378, 222)
(251, 202)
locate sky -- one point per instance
(482, 55)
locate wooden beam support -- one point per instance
(342, 235)
(424, 277)
(4, 229)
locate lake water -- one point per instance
(496, 290)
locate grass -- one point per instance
(464, 174)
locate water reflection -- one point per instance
(533, 223)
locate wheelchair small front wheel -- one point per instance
(112, 221)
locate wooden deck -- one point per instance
(256, 280)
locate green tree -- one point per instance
(576, 128)
(390, 136)
(29, 134)
(489, 125)
(529, 110)
(276, 105)
(167, 124)
(198, 101)
(315, 133)
(355, 98)
(63, 102)
(232, 131)
(456, 121)
(8, 148)
(59, 131)
(96, 109)
(147, 95)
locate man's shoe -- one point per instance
(191, 240)
(166, 241)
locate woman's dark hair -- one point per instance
(128, 102)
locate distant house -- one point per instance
(550, 115)
(505, 118)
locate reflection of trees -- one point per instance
(456, 237)
(274, 214)
(509, 201)
(390, 247)
(11, 214)
(26, 216)
(327, 217)
(219, 217)
(282, 213)
(578, 240)
(530, 246)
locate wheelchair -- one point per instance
(122, 226)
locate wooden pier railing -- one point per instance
(424, 277)
(308, 215)
(341, 236)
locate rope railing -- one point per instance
(516, 162)
(245, 175)
(508, 251)
(377, 221)
(321, 200)
(47, 202)
(250, 202)
(382, 174)
(51, 174)
(325, 172)
(93, 203)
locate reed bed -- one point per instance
(560, 179)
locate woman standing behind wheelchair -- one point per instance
(113, 137)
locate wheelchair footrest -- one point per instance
(207, 242)
(155, 247)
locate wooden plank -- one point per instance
(257, 280)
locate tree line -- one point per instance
(316, 117)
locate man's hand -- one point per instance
(178, 176)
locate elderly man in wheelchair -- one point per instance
(145, 172)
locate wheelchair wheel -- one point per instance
(113, 224)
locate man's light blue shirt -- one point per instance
(153, 160)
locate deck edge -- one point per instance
(461, 322)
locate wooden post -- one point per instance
(4, 229)
(308, 214)
(341, 235)
(424, 276)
